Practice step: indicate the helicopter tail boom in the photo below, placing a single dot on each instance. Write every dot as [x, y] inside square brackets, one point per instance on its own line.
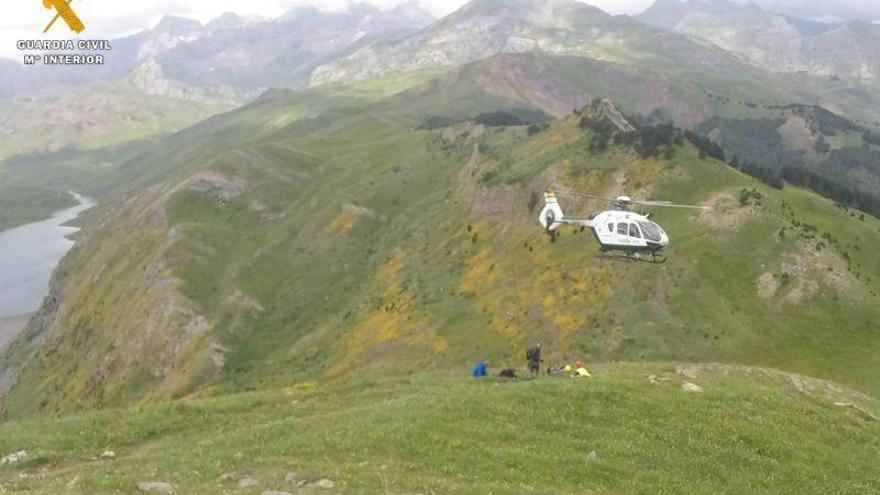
[552, 216]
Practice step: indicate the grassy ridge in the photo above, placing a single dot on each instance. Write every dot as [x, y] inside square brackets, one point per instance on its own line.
[319, 237]
[360, 246]
[750, 431]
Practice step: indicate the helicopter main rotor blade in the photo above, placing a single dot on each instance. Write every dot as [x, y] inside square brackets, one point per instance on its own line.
[588, 196]
[665, 204]
[668, 204]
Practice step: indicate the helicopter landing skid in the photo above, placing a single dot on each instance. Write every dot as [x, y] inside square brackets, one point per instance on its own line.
[634, 257]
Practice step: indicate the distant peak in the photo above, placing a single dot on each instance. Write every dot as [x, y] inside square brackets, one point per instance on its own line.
[528, 8]
[225, 17]
[409, 12]
[177, 25]
[227, 20]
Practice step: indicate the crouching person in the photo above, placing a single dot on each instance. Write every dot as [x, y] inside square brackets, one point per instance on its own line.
[480, 370]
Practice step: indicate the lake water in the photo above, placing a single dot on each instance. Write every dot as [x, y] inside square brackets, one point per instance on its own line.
[29, 254]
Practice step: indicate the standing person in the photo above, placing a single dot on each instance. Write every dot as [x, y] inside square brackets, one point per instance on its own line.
[534, 357]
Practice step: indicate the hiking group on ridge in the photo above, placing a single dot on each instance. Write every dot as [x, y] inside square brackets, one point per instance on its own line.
[534, 358]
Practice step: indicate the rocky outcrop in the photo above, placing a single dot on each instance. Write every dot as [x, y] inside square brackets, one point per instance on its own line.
[30, 341]
[80, 318]
[150, 78]
[603, 110]
[14, 458]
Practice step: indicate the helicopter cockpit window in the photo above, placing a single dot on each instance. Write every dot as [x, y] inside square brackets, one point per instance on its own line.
[651, 231]
[622, 228]
[611, 228]
[634, 231]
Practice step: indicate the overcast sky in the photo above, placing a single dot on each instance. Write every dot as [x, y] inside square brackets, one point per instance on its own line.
[25, 19]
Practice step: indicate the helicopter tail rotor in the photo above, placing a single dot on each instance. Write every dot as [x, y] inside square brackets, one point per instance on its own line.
[551, 216]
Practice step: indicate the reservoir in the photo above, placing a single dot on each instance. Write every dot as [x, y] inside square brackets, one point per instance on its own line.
[28, 255]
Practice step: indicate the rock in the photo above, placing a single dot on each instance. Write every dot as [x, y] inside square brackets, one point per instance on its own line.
[224, 188]
[864, 412]
[692, 388]
[290, 478]
[656, 380]
[686, 372]
[14, 458]
[108, 454]
[604, 110]
[802, 385]
[593, 456]
[325, 484]
[226, 477]
[248, 483]
[155, 487]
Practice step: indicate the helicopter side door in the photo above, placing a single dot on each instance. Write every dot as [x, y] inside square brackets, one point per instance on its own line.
[618, 230]
[606, 230]
[635, 235]
[624, 233]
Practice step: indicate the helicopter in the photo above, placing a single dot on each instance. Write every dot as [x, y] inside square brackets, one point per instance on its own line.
[617, 229]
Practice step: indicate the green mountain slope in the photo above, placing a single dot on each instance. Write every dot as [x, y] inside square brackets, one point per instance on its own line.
[277, 243]
[807, 144]
[51, 144]
[629, 429]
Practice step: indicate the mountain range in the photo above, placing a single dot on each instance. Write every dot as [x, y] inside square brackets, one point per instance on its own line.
[484, 28]
[263, 164]
[233, 56]
[313, 260]
[163, 79]
[774, 41]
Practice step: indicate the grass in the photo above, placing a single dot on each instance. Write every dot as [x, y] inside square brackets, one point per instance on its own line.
[19, 205]
[294, 285]
[750, 431]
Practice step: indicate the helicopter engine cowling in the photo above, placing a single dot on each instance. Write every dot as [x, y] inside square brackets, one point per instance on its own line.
[551, 215]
